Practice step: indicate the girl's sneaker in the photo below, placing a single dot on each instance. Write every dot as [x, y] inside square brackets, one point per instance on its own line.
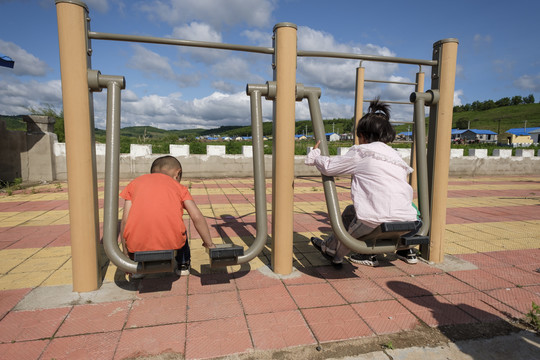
[364, 259]
[409, 256]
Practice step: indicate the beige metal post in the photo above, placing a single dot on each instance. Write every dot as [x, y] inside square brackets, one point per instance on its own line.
[443, 78]
[359, 99]
[283, 159]
[80, 152]
[412, 177]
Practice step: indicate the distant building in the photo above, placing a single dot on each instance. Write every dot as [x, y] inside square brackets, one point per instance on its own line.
[523, 135]
[300, 137]
[332, 137]
[473, 135]
[406, 135]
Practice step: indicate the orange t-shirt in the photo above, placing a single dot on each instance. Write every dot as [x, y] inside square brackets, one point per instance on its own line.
[155, 218]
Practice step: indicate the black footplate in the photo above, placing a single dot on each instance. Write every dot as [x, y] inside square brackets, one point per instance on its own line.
[158, 255]
[414, 240]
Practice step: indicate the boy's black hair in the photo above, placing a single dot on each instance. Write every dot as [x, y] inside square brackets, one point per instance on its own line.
[375, 125]
[165, 164]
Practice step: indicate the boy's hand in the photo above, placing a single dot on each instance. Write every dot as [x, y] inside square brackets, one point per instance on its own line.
[209, 246]
[317, 145]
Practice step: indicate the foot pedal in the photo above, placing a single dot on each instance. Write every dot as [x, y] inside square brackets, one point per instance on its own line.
[225, 254]
[414, 240]
[155, 261]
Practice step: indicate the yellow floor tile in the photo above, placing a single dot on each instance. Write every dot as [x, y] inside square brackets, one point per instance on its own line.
[40, 265]
[22, 280]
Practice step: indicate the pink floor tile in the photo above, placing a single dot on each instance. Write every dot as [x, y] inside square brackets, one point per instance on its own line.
[307, 276]
[254, 280]
[482, 260]
[516, 275]
[168, 285]
[360, 290]
[32, 324]
[279, 330]
[10, 298]
[402, 286]
[221, 337]
[419, 268]
[152, 340]
[83, 347]
[265, 300]
[442, 284]
[519, 299]
[345, 272]
[436, 311]
[209, 283]
[90, 318]
[26, 350]
[157, 311]
[386, 317]
[480, 306]
[481, 279]
[214, 306]
[386, 269]
[336, 323]
[315, 295]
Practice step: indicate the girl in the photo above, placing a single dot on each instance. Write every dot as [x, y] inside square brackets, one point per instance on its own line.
[379, 188]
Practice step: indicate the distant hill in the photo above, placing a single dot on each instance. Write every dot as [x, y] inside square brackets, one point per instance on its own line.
[498, 120]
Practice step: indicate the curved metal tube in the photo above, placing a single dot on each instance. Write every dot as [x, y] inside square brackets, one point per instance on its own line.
[330, 193]
[255, 92]
[420, 99]
[114, 84]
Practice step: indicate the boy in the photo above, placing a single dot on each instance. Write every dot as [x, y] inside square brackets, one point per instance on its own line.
[153, 210]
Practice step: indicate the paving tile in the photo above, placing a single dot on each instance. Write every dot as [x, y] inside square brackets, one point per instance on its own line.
[480, 306]
[402, 286]
[386, 317]
[483, 260]
[442, 284]
[360, 290]
[279, 330]
[214, 306]
[10, 298]
[419, 268]
[31, 325]
[308, 275]
[151, 341]
[345, 272]
[519, 299]
[163, 285]
[157, 311]
[254, 280]
[92, 318]
[26, 350]
[315, 295]
[207, 283]
[436, 311]
[516, 275]
[481, 279]
[265, 300]
[83, 347]
[220, 337]
[336, 323]
[385, 269]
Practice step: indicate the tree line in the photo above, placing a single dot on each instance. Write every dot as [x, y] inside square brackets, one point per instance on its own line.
[490, 104]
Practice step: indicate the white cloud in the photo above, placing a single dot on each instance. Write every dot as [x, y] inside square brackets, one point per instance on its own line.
[152, 64]
[200, 32]
[338, 76]
[258, 37]
[99, 5]
[528, 82]
[255, 13]
[25, 63]
[458, 94]
[223, 86]
[16, 97]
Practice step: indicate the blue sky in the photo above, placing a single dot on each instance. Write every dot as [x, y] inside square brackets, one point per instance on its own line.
[178, 88]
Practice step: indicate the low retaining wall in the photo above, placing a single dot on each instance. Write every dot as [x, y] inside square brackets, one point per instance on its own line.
[216, 164]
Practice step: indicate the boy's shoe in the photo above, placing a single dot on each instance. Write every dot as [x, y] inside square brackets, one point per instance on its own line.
[409, 256]
[364, 259]
[317, 243]
[182, 270]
